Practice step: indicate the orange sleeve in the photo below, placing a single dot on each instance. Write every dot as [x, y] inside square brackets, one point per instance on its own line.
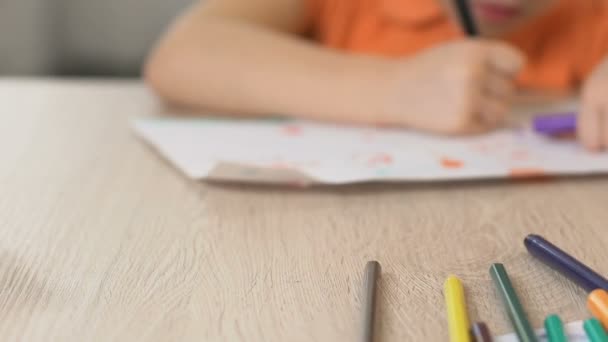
[336, 22]
[592, 38]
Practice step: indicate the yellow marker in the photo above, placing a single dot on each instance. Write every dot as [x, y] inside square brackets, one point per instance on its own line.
[458, 319]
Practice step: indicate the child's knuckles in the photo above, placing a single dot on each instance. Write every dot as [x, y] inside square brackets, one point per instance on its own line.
[475, 77]
[471, 52]
[503, 91]
[470, 117]
[506, 57]
[505, 49]
[494, 111]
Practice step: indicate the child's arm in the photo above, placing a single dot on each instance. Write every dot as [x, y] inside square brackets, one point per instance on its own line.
[593, 118]
[245, 57]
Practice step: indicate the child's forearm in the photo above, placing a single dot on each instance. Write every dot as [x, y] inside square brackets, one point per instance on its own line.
[237, 67]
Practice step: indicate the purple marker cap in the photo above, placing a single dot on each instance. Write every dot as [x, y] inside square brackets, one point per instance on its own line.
[557, 123]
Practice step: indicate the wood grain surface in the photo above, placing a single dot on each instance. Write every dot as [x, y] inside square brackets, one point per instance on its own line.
[101, 240]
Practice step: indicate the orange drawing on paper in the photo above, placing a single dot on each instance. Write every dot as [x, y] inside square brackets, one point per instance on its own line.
[292, 130]
[450, 163]
[381, 159]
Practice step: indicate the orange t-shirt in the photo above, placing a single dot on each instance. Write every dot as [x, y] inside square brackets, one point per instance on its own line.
[563, 45]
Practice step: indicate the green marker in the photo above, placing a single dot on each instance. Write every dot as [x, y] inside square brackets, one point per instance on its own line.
[555, 329]
[516, 312]
[595, 331]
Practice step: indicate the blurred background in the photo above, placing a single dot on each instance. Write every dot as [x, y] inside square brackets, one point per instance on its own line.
[81, 37]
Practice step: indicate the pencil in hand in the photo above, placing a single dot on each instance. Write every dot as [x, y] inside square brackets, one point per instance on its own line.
[466, 18]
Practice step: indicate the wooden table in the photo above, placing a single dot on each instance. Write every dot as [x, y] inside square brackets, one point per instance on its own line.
[100, 239]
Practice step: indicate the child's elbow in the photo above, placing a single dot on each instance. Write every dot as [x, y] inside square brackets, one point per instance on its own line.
[167, 70]
[157, 74]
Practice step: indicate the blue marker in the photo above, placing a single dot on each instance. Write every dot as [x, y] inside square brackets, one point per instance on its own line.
[565, 264]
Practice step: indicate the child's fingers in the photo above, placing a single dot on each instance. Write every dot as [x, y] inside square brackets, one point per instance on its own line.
[498, 86]
[492, 111]
[477, 125]
[505, 59]
[590, 126]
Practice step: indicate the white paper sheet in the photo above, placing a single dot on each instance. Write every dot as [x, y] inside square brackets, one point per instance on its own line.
[303, 152]
[575, 332]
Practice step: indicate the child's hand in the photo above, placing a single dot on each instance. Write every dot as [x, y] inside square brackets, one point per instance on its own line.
[457, 88]
[593, 117]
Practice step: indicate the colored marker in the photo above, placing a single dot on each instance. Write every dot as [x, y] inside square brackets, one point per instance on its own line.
[567, 265]
[598, 305]
[594, 331]
[466, 17]
[481, 333]
[370, 279]
[555, 123]
[555, 329]
[515, 310]
[458, 319]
